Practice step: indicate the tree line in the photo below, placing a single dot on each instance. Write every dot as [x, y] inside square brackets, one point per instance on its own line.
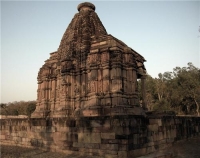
[18, 108]
[177, 91]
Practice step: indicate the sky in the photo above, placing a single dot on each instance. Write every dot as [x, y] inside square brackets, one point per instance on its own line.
[165, 33]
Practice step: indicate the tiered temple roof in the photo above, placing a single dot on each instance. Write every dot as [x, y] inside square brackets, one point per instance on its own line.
[91, 74]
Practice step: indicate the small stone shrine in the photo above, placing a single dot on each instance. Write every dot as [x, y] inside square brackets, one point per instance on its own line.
[91, 74]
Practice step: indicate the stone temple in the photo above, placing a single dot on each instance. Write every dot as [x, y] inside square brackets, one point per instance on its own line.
[88, 104]
[91, 74]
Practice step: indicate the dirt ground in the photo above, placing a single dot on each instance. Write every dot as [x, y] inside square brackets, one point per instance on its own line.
[182, 149]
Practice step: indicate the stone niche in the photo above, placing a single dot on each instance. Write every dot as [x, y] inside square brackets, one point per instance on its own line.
[91, 74]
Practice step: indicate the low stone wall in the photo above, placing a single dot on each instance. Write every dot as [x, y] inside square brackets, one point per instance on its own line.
[109, 137]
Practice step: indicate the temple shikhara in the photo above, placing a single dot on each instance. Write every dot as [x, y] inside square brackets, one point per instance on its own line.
[91, 74]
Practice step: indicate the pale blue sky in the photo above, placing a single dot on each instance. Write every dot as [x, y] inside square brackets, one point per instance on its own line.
[164, 32]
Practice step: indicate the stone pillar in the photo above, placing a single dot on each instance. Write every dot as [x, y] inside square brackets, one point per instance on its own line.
[143, 88]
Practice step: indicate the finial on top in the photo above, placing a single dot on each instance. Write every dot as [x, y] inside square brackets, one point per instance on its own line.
[86, 5]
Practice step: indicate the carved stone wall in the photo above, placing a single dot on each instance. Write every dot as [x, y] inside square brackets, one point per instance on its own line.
[91, 74]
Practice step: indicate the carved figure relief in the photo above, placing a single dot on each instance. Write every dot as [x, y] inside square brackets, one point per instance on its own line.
[63, 90]
[63, 82]
[106, 74]
[118, 57]
[114, 85]
[57, 94]
[63, 66]
[104, 57]
[83, 88]
[52, 94]
[98, 56]
[89, 88]
[89, 76]
[115, 56]
[88, 60]
[93, 89]
[100, 87]
[94, 58]
[105, 86]
[93, 75]
[76, 89]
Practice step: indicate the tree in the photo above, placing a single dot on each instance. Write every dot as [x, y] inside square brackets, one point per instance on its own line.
[150, 92]
[183, 88]
[18, 108]
[178, 90]
[31, 108]
[189, 82]
[3, 109]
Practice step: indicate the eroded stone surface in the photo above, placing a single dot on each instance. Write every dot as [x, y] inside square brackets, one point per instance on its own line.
[91, 74]
[101, 136]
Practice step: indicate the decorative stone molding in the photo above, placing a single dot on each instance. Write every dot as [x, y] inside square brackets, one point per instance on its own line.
[90, 67]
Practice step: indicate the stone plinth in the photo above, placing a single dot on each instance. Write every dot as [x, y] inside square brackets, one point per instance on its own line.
[103, 136]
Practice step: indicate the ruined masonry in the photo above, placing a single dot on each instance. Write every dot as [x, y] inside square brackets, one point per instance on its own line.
[91, 74]
[87, 102]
